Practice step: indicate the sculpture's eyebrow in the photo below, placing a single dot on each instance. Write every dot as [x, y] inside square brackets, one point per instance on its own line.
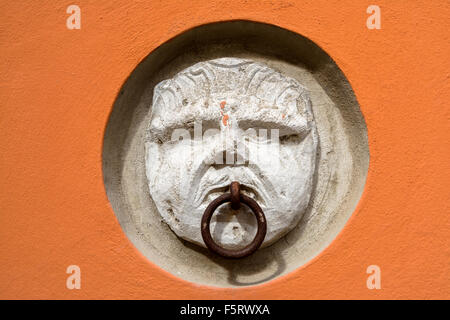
[163, 132]
[292, 127]
[164, 129]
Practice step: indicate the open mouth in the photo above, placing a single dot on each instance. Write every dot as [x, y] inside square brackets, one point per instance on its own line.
[249, 191]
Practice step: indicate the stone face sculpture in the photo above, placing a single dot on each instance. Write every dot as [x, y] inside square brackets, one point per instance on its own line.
[228, 120]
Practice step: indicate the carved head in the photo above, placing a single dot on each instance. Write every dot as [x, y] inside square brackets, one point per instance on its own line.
[230, 120]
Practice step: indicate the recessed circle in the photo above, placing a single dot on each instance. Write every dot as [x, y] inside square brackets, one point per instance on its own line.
[341, 161]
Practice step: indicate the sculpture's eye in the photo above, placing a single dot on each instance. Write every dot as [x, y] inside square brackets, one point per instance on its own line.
[204, 130]
[289, 139]
[258, 139]
[271, 136]
[192, 131]
[256, 135]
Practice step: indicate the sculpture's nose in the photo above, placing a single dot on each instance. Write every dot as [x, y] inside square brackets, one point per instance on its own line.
[231, 149]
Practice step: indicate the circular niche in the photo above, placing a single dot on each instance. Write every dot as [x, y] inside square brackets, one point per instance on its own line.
[341, 166]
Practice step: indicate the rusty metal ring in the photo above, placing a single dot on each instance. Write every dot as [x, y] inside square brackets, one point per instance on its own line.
[235, 190]
[257, 211]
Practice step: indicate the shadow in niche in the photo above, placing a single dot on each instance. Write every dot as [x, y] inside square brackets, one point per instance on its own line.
[259, 261]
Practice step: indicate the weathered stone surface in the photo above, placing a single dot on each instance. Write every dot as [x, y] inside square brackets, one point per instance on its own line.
[200, 139]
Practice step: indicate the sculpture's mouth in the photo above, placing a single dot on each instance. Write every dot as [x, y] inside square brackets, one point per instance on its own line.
[217, 191]
[211, 183]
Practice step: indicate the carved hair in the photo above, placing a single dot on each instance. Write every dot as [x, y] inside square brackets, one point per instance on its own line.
[228, 77]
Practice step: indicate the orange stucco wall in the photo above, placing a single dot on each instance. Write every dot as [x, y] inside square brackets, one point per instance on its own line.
[57, 90]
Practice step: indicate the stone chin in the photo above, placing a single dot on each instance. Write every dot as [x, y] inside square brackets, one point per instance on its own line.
[184, 178]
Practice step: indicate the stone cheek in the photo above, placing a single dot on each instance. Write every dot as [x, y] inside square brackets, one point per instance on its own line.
[230, 120]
